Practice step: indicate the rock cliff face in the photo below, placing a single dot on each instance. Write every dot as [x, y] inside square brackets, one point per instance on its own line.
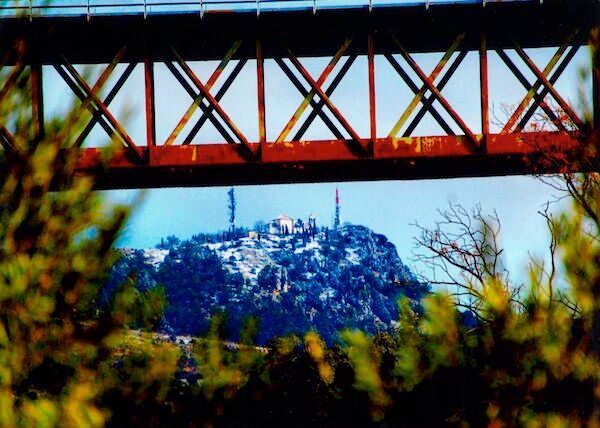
[291, 284]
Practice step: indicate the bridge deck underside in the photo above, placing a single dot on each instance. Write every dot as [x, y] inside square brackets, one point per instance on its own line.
[421, 30]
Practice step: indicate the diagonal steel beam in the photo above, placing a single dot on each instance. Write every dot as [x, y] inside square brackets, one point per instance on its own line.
[421, 93]
[83, 98]
[296, 82]
[194, 94]
[553, 78]
[209, 84]
[79, 92]
[539, 100]
[211, 100]
[542, 78]
[336, 113]
[440, 98]
[207, 114]
[536, 86]
[418, 96]
[109, 99]
[7, 141]
[428, 103]
[11, 80]
[91, 101]
[311, 94]
[91, 97]
[319, 107]
[101, 81]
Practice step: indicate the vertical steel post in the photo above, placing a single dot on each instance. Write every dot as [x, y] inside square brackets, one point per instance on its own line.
[260, 79]
[37, 102]
[150, 101]
[483, 77]
[372, 106]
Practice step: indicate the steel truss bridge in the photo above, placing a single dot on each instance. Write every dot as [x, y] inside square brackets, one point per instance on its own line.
[65, 33]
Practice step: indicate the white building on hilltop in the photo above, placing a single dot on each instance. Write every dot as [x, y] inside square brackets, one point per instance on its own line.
[282, 225]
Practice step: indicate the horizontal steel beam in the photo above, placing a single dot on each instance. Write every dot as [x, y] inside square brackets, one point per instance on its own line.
[83, 40]
[332, 160]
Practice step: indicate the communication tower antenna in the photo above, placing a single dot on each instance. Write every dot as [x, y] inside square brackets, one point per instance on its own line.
[336, 221]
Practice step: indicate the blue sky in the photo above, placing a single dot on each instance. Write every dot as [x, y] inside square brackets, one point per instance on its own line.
[387, 207]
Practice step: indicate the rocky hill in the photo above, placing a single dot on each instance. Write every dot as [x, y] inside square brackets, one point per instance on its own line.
[291, 284]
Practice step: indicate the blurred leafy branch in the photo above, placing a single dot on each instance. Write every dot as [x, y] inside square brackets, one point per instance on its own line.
[55, 251]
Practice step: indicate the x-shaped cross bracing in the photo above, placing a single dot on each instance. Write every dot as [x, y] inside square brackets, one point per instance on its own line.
[99, 108]
[419, 97]
[202, 93]
[328, 92]
[107, 101]
[207, 110]
[545, 79]
[429, 85]
[317, 107]
[316, 89]
[198, 96]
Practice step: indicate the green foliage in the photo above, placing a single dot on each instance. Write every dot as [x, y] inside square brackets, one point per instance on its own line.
[55, 252]
[220, 369]
[138, 309]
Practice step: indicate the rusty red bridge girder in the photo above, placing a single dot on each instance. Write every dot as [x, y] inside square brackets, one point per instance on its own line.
[342, 35]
